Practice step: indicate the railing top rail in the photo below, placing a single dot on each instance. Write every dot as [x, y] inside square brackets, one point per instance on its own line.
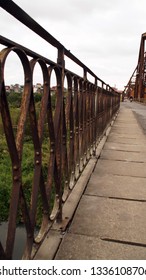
[50, 134]
[28, 21]
[9, 43]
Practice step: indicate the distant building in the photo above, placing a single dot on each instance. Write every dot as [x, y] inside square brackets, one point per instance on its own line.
[7, 89]
[54, 88]
[38, 88]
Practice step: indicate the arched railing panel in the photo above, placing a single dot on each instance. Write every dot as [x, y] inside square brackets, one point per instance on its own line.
[64, 124]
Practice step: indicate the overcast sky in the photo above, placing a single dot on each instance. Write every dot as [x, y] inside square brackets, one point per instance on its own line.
[104, 34]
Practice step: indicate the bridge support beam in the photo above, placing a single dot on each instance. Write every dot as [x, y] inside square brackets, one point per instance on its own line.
[140, 83]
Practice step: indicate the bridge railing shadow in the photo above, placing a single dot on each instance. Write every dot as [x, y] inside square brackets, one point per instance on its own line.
[63, 133]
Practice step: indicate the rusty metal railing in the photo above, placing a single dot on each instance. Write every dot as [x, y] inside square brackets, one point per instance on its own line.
[74, 126]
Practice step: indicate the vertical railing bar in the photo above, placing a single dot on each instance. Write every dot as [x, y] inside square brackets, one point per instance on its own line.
[93, 106]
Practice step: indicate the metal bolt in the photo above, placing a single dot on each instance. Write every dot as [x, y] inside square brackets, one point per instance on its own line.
[27, 80]
[16, 178]
[15, 167]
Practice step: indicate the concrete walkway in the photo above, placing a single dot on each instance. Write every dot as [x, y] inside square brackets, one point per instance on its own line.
[110, 221]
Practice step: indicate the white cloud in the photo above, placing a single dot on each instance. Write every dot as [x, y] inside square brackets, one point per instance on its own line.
[104, 35]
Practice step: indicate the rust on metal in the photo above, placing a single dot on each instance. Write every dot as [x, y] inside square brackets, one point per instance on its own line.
[136, 86]
[74, 127]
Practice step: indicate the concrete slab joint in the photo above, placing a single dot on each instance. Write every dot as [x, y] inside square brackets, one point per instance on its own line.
[46, 250]
[106, 208]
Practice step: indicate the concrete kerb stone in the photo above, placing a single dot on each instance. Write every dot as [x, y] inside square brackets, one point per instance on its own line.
[46, 250]
[105, 136]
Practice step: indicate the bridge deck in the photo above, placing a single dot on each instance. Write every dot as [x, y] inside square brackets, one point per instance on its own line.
[109, 222]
